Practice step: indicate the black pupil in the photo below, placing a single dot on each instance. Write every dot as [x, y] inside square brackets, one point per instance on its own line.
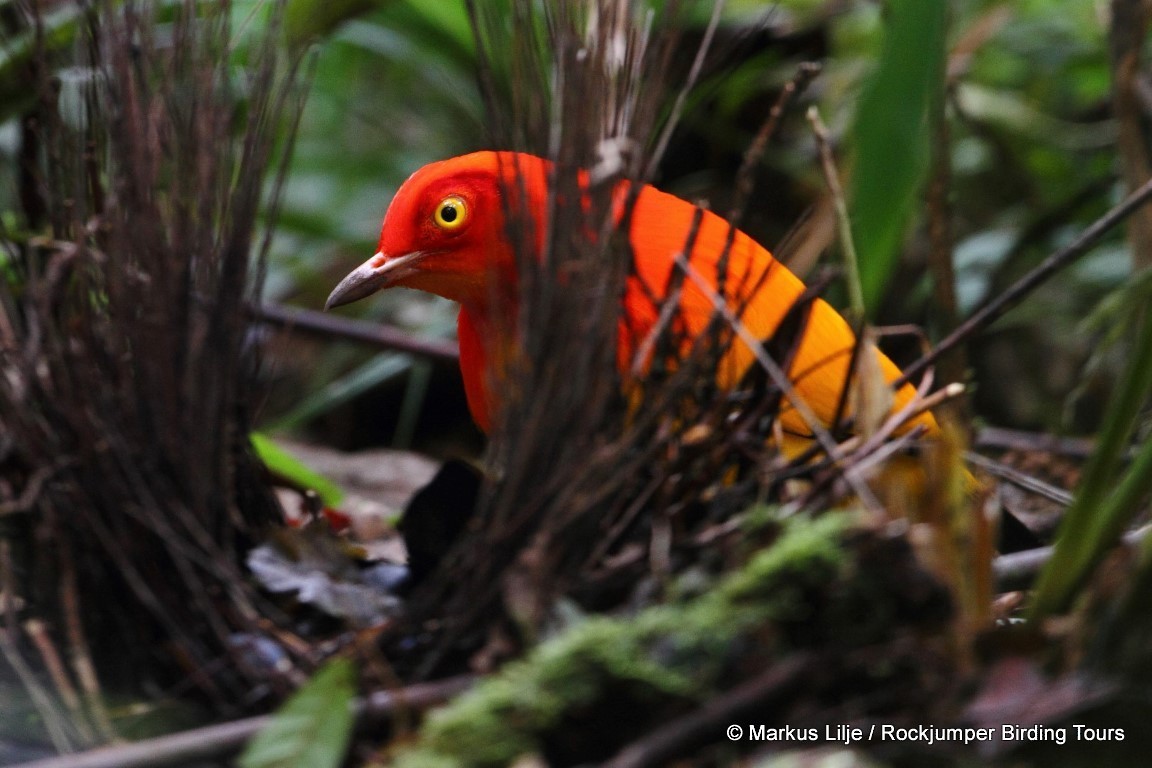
[448, 213]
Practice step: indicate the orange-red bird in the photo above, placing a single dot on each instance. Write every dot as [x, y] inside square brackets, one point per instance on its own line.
[445, 233]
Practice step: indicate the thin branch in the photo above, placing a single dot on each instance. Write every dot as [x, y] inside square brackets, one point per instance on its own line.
[376, 334]
[216, 741]
[706, 724]
[1018, 569]
[1127, 35]
[995, 309]
[941, 242]
[30, 494]
[805, 73]
[777, 374]
[843, 222]
[54, 665]
[1020, 440]
[885, 442]
[83, 667]
[682, 96]
[56, 722]
[1019, 479]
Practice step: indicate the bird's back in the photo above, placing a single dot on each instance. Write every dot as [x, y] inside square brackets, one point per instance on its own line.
[758, 289]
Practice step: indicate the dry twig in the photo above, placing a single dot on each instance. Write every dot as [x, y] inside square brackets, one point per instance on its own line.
[761, 694]
[219, 741]
[993, 310]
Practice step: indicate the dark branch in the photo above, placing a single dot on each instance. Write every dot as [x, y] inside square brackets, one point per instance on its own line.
[995, 309]
[377, 334]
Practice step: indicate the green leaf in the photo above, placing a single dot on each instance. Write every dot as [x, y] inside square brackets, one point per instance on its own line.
[1106, 501]
[307, 21]
[890, 137]
[283, 463]
[313, 727]
[372, 374]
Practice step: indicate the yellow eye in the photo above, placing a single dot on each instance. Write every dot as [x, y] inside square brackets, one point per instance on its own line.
[451, 213]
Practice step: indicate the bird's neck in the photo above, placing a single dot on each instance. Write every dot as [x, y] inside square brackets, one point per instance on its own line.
[487, 339]
[493, 316]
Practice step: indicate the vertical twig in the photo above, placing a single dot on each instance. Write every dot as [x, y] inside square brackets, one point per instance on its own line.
[682, 97]
[37, 632]
[843, 222]
[940, 264]
[1127, 34]
[805, 73]
[55, 721]
[78, 650]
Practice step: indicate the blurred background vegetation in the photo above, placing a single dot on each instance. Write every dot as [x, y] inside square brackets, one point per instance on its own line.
[1031, 159]
[1031, 153]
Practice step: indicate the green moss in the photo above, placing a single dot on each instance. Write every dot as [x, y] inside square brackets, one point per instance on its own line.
[665, 653]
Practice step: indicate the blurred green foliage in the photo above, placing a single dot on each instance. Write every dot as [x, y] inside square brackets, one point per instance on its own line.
[288, 467]
[891, 136]
[391, 91]
[313, 728]
[1032, 155]
[1109, 497]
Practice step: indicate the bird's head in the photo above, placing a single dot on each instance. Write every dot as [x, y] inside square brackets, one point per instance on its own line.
[445, 230]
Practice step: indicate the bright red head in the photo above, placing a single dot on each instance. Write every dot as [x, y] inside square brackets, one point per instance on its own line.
[445, 230]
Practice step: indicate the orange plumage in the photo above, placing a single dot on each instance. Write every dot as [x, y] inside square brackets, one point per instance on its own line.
[445, 233]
